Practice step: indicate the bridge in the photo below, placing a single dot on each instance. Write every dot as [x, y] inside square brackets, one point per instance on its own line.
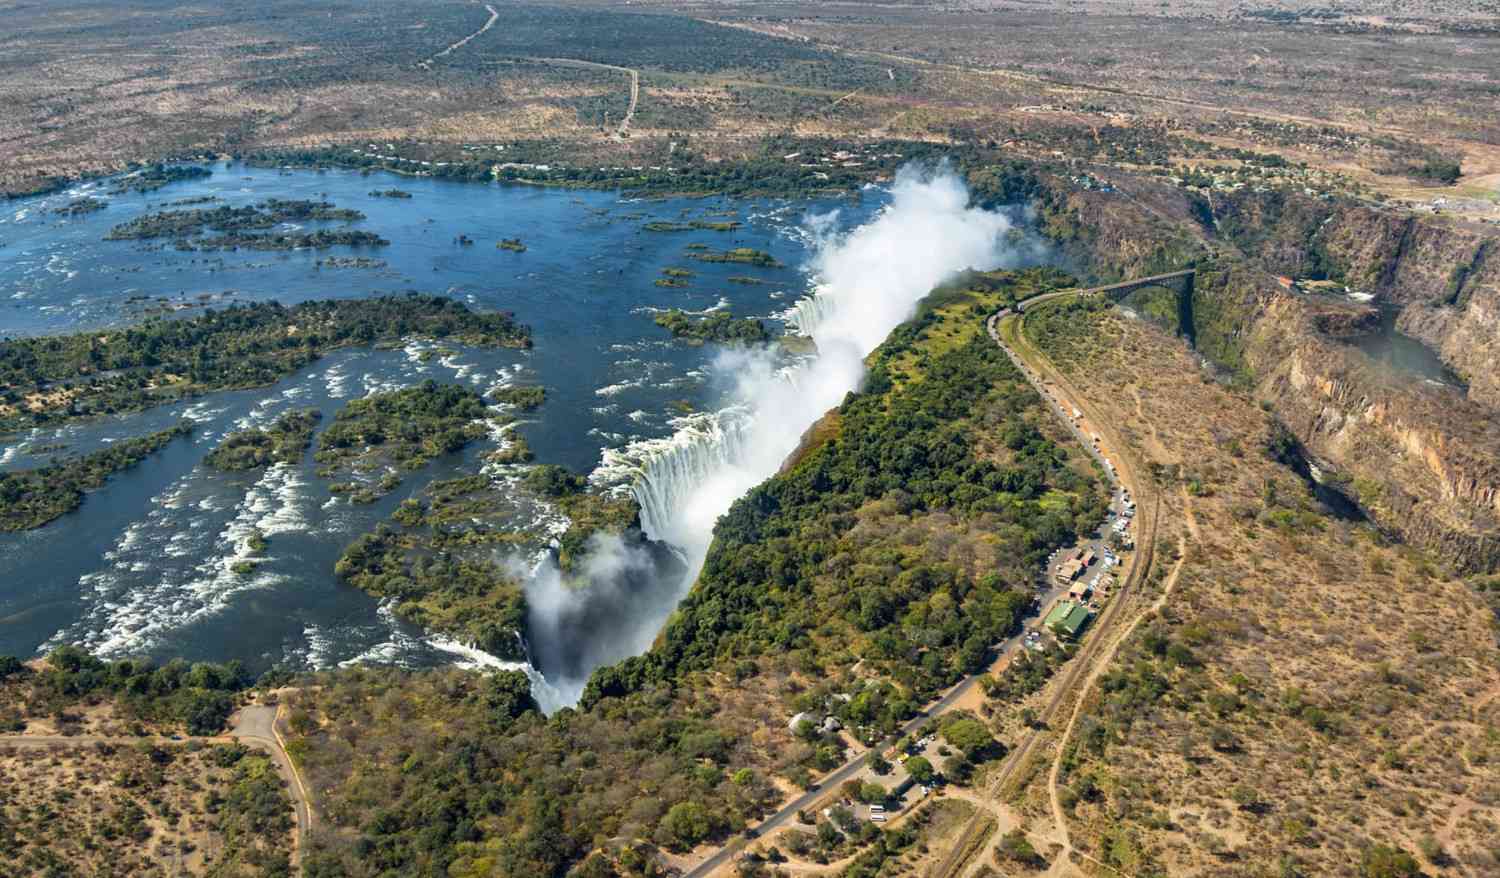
[1179, 281]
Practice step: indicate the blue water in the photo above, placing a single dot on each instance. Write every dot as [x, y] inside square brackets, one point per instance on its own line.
[142, 567]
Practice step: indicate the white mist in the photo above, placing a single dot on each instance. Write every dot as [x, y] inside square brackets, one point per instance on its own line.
[869, 280]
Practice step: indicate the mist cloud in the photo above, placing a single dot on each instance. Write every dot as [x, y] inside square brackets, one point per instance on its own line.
[869, 280]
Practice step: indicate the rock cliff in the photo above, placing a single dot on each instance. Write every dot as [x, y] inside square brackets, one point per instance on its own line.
[1442, 275]
[1422, 460]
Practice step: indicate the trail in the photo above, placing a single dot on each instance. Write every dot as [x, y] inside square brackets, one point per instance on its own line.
[623, 129]
[255, 725]
[1105, 658]
[494, 15]
[828, 785]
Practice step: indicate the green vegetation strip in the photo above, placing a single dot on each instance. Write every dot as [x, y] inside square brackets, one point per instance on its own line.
[266, 215]
[197, 697]
[60, 378]
[718, 326]
[31, 498]
[404, 429]
[742, 255]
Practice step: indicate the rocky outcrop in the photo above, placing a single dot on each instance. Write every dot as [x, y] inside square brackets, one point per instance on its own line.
[1442, 275]
[1139, 228]
[1344, 321]
[1421, 460]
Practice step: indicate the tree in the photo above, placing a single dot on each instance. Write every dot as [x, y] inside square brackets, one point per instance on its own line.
[686, 824]
[878, 763]
[872, 793]
[828, 834]
[958, 769]
[919, 769]
[968, 735]
[1017, 848]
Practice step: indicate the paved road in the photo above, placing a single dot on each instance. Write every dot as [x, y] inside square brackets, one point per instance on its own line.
[256, 724]
[829, 784]
[1020, 758]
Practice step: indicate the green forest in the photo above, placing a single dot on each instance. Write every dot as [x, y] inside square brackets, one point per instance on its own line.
[943, 430]
[400, 429]
[811, 574]
[56, 378]
[32, 497]
[437, 558]
[718, 326]
[195, 697]
[265, 215]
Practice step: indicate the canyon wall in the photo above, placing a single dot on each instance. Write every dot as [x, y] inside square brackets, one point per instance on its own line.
[1443, 275]
[1422, 460]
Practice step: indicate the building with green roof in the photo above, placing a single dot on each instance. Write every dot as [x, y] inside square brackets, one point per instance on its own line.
[1068, 619]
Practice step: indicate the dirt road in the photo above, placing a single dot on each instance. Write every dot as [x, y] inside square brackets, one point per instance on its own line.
[623, 129]
[494, 14]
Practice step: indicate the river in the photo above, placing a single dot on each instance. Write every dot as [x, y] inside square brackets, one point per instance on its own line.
[142, 567]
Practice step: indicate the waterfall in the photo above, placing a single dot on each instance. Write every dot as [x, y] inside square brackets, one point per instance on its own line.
[809, 313]
[874, 276]
[663, 474]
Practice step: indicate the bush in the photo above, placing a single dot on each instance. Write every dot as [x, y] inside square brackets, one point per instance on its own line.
[1385, 861]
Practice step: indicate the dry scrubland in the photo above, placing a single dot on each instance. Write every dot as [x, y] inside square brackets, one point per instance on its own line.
[145, 809]
[1309, 694]
[1367, 98]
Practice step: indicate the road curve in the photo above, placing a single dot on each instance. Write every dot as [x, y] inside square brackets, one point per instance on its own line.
[494, 15]
[623, 128]
[1021, 755]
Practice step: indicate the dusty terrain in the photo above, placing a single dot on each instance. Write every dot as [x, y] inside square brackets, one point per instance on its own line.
[143, 809]
[1361, 103]
[1308, 691]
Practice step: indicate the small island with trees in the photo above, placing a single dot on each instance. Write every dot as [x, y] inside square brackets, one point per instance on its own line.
[694, 225]
[245, 227]
[282, 442]
[34, 497]
[525, 398]
[742, 255]
[395, 431]
[60, 378]
[156, 176]
[716, 326]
